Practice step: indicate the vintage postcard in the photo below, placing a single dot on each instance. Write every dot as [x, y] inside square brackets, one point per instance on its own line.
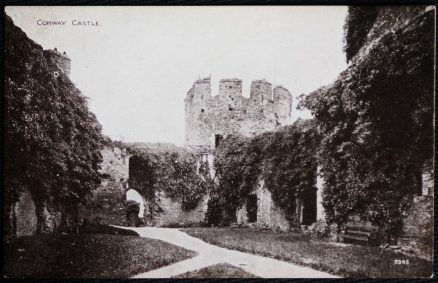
[219, 142]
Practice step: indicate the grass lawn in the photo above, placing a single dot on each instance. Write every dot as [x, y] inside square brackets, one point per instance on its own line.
[87, 255]
[222, 270]
[339, 259]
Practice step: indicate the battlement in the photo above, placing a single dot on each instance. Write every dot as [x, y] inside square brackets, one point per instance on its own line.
[60, 60]
[261, 90]
[208, 118]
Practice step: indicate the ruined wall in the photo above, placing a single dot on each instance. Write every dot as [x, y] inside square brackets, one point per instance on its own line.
[165, 212]
[60, 60]
[106, 204]
[417, 232]
[25, 214]
[230, 112]
[269, 215]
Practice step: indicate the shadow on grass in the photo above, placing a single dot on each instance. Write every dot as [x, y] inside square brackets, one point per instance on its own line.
[222, 270]
[340, 259]
[89, 254]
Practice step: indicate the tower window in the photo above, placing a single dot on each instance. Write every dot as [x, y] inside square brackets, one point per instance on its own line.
[218, 139]
[230, 109]
[202, 110]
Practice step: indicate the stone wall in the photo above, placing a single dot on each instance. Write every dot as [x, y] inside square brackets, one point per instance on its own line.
[229, 112]
[106, 204]
[417, 232]
[58, 59]
[269, 215]
[165, 212]
[25, 215]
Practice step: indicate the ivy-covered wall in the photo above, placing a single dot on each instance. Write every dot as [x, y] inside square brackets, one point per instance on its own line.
[376, 118]
[286, 162]
[52, 141]
[167, 176]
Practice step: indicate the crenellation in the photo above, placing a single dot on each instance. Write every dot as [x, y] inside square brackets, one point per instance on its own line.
[261, 91]
[208, 117]
[60, 60]
[230, 89]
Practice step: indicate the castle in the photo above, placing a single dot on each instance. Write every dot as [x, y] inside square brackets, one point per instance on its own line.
[209, 119]
[58, 59]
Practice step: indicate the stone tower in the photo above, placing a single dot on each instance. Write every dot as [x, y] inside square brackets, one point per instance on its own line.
[60, 60]
[209, 119]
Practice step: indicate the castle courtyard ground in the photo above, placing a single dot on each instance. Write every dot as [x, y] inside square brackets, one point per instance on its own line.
[345, 260]
[103, 251]
[211, 255]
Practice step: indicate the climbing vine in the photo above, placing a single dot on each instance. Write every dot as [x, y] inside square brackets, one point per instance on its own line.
[170, 170]
[285, 159]
[376, 122]
[52, 140]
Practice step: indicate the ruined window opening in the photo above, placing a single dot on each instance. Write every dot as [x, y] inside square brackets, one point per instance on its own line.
[202, 110]
[218, 139]
[251, 208]
[244, 111]
[230, 109]
[261, 110]
[230, 87]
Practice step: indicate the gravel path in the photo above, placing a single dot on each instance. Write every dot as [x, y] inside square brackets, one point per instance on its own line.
[209, 255]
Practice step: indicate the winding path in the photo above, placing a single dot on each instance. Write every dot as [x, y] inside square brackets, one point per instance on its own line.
[209, 255]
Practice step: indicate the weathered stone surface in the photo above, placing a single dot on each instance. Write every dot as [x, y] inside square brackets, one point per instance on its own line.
[106, 204]
[167, 212]
[269, 215]
[229, 112]
[25, 214]
[58, 59]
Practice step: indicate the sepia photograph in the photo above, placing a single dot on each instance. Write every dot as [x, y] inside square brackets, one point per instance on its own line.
[219, 141]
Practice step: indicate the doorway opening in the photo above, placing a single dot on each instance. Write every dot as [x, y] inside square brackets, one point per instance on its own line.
[309, 207]
[218, 139]
[251, 208]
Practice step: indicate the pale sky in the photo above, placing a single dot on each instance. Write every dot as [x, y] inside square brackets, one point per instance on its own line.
[138, 64]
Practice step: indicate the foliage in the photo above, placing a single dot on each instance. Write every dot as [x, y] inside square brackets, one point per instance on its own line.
[285, 159]
[376, 122]
[52, 144]
[168, 169]
[358, 22]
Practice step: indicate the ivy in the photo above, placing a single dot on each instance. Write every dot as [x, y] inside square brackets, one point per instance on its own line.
[285, 159]
[168, 169]
[376, 121]
[52, 141]
[358, 23]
